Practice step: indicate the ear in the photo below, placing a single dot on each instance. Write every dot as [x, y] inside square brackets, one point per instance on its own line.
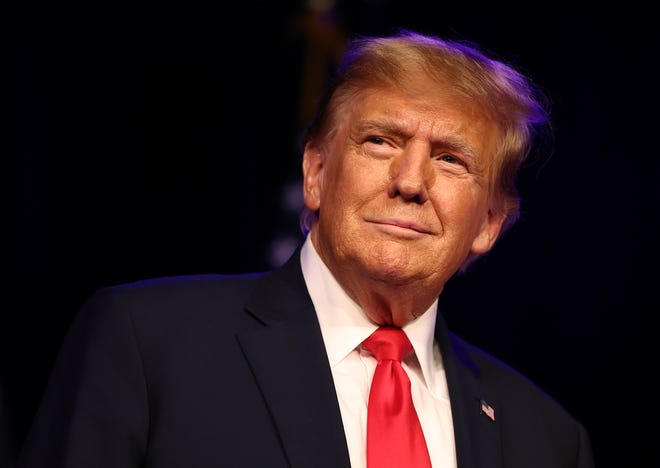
[488, 234]
[312, 176]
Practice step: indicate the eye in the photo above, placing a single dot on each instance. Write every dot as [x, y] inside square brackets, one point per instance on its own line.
[376, 140]
[451, 164]
[448, 158]
[379, 147]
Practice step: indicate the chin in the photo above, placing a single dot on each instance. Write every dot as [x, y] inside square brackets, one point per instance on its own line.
[392, 275]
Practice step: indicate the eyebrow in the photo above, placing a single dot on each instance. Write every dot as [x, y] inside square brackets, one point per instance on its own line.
[386, 124]
[451, 142]
[458, 145]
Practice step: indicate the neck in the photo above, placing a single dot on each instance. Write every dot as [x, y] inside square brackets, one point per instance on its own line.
[393, 305]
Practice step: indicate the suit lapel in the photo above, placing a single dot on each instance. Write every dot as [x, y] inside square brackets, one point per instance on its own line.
[289, 362]
[477, 436]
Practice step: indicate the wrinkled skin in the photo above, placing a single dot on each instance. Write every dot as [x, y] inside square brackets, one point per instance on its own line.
[402, 193]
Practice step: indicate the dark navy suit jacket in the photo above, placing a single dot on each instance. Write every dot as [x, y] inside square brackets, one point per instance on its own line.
[231, 371]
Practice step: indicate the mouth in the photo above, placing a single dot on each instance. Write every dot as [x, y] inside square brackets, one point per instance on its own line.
[401, 227]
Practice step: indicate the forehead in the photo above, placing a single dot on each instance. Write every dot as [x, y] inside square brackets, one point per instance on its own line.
[425, 111]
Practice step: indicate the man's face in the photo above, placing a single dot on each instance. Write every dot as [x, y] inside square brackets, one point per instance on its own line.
[402, 188]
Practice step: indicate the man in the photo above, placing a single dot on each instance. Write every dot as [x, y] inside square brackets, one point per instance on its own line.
[409, 171]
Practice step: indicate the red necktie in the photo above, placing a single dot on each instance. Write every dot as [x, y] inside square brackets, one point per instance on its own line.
[394, 435]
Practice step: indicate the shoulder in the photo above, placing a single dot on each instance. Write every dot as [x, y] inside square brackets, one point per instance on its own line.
[169, 302]
[161, 318]
[173, 291]
[181, 285]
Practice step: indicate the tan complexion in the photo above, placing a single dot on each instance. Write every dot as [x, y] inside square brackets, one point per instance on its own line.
[402, 189]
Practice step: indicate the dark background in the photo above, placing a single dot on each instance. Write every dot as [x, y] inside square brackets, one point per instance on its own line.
[148, 139]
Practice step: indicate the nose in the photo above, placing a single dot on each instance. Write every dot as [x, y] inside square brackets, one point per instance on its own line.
[411, 174]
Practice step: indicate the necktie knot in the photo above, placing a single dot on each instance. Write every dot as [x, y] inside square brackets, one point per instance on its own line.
[388, 343]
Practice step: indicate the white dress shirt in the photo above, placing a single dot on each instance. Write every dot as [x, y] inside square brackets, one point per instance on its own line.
[344, 326]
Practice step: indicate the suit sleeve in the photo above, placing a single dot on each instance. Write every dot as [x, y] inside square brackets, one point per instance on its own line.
[94, 410]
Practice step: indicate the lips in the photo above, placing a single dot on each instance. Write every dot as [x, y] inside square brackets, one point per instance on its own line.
[401, 225]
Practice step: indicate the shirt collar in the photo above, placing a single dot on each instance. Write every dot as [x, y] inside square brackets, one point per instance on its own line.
[344, 325]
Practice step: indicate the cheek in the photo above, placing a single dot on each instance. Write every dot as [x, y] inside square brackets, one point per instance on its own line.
[457, 205]
[367, 175]
[356, 181]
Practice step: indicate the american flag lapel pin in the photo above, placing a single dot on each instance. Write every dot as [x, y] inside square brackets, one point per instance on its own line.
[487, 410]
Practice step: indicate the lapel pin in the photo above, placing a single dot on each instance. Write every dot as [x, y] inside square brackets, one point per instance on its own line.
[487, 410]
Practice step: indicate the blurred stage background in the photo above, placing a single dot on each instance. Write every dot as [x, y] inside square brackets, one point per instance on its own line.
[152, 139]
